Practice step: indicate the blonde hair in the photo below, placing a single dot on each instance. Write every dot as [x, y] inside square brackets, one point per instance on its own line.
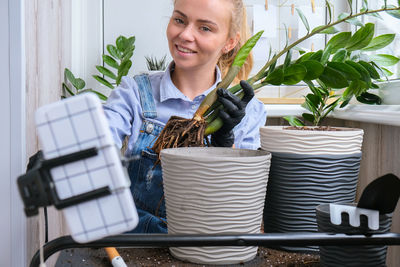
[238, 24]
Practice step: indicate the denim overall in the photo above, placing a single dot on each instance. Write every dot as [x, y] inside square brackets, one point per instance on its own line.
[146, 178]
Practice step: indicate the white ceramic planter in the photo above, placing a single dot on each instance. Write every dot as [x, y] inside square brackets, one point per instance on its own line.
[279, 139]
[214, 191]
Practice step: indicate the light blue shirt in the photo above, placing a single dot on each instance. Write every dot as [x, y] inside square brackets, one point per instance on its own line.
[124, 112]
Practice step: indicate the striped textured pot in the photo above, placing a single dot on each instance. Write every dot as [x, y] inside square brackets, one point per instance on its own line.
[214, 191]
[308, 168]
[351, 255]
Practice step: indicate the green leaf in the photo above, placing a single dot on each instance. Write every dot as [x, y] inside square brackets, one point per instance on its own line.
[361, 38]
[100, 95]
[130, 42]
[123, 70]
[65, 86]
[314, 69]
[110, 61]
[293, 121]
[339, 41]
[393, 13]
[303, 19]
[288, 58]
[315, 100]
[340, 55]
[368, 98]
[350, 91]
[305, 57]
[328, 5]
[316, 56]
[113, 51]
[70, 76]
[326, 54]
[103, 81]
[316, 91]
[387, 72]
[372, 71]
[376, 15]
[374, 85]
[271, 67]
[365, 76]
[353, 21]
[384, 59]
[350, 4]
[365, 4]
[345, 103]
[106, 72]
[330, 30]
[333, 78]
[127, 55]
[79, 84]
[244, 51]
[121, 43]
[294, 74]
[349, 72]
[308, 117]
[275, 77]
[379, 42]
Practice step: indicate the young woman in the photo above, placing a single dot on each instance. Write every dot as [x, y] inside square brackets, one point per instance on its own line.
[203, 37]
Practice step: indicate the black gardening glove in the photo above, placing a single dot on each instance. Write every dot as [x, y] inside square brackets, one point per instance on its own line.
[233, 113]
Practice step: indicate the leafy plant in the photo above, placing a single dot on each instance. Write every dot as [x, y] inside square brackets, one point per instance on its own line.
[337, 73]
[181, 132]
[119, 58]
[154, 64]
[334, 74]
[74, 86]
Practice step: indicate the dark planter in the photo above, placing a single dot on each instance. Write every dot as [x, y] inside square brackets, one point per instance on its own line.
[351, 255]
[299, 183]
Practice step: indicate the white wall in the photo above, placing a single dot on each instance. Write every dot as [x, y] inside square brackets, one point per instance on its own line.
[12, 153]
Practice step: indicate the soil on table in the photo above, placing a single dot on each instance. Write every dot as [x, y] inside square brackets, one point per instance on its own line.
[161, 257]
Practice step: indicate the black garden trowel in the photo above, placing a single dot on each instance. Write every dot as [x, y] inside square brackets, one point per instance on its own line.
[381, 194]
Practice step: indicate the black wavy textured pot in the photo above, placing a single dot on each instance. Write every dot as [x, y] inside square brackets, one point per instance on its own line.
[351, 255]
[298, 183]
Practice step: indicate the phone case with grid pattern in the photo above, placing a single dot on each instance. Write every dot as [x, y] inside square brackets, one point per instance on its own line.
[71, 125]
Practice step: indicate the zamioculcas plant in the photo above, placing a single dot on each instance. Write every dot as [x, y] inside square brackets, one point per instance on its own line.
[180, 132]
[342, 65]
[119, 58]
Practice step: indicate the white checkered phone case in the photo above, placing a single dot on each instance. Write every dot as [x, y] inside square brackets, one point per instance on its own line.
[72, 125]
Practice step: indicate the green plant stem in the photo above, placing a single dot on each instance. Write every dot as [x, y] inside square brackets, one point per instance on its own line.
[260, 74]
[214, 122]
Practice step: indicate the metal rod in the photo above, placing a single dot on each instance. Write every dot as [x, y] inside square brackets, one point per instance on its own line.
[266, 240]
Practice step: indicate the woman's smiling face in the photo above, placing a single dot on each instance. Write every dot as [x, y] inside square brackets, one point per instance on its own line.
[198, 32]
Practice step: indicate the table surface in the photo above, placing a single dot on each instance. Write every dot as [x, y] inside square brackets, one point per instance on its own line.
[161, 257]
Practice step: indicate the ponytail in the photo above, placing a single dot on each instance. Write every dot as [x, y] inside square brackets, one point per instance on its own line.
[238, 24]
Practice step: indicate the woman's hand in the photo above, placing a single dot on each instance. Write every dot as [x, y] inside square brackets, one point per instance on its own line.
[232, 115]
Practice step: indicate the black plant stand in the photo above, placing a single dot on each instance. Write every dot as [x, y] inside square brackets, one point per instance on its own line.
[266, 240]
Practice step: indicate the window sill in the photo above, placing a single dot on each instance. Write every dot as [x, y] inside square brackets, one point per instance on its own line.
[382, 114]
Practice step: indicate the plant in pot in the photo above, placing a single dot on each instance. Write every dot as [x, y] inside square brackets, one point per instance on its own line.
[312, 165]
[308, 167]
[154, 64]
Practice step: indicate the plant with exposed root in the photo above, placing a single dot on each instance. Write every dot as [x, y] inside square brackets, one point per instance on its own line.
[326, 72]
